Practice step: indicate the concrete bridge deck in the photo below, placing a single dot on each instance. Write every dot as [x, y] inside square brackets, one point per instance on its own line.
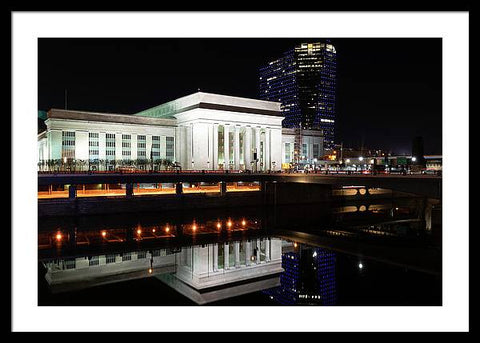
[425, 185]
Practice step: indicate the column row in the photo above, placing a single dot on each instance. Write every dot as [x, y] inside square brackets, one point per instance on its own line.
[252, 255]
[241, 147]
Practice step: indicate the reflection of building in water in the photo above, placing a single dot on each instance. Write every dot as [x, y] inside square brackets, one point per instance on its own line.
[213, 272]
[88, 271]
[309, 278]
[232, 268]
[216, 264]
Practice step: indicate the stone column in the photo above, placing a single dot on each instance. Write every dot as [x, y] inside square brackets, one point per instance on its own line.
[236, 148]
[226, 147]
[267, 249]
[215, 257]
[248, 253]
[118, 146]
[102, 145]
[215, 147]
[267, 143]
[247, 150]
[148, 149]
[257, 147]
[236, 249]
[225, 256]
[133, 146]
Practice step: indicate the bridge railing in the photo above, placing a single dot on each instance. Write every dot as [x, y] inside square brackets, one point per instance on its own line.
[214, 172]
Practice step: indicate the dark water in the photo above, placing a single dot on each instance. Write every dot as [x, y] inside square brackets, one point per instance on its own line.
[324, 255]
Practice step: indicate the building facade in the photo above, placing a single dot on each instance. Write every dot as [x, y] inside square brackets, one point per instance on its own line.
[303, 81]
[201, 131]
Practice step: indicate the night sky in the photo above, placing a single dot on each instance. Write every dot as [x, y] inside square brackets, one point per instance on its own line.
[388, 90]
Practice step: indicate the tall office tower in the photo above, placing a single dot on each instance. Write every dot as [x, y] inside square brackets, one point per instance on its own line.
[303, 80]
[309, 278]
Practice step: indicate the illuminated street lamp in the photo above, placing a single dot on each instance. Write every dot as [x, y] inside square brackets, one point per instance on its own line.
[414, 159]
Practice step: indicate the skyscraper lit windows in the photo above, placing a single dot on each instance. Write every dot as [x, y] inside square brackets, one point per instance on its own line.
[303, 80]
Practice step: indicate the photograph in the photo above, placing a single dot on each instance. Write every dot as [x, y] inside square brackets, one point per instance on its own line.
[240, 171]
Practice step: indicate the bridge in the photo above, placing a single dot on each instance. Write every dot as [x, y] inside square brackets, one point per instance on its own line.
[424, 185]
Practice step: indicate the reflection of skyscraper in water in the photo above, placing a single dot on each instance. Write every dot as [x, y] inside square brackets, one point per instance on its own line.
[309, 278]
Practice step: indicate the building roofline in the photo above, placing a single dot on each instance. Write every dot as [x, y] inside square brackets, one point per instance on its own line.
[107, 117]
[215, 102]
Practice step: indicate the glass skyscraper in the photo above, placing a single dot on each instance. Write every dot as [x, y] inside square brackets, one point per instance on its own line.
[303, 80]
[309, 278]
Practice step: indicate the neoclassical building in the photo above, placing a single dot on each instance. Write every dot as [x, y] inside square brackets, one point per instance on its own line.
[201, 131]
